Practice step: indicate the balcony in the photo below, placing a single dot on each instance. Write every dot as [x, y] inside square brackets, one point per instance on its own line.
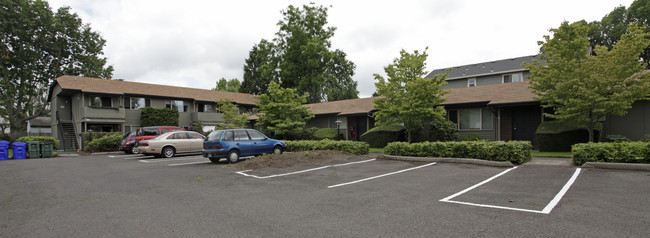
[103, 113]
[207, 117]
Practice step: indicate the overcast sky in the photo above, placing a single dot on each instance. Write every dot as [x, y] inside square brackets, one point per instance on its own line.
[194, 43]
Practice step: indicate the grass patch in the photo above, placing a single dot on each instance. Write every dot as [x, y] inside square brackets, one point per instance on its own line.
[376, 150]
[551, 154]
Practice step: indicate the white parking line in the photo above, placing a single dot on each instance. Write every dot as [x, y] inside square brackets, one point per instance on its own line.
[165, 160]
[379, 176]
[200, 162]
[302, 171]
[121, 156]
[546, 210]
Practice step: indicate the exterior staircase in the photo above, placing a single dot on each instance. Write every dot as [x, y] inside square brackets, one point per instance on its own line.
[70, 142]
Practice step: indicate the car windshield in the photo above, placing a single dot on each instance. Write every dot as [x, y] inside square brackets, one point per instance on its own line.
[214, 136]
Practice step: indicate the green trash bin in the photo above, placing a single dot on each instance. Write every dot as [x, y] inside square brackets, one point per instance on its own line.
[46, 149]
[34, 149]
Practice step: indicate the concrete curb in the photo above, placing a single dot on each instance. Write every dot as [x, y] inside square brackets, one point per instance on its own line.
[618, 166]
[448, 160]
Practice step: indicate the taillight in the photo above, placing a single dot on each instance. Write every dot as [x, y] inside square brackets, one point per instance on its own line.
[209, 147]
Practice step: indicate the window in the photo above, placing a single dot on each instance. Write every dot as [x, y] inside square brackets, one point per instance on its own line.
[511, 78]
[97, 101]
[228, 136]
[241, 135]
[136, 103]
[469, 119]
[255, 135]
[472, 119]
[181, 106]
[205, 107]
[471, 82]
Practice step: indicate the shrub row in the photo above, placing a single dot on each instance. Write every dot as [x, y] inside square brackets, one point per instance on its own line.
[107, 143]
[517, 152]
[380, 136]
[623, 152]
[354, 147]
[39, 138]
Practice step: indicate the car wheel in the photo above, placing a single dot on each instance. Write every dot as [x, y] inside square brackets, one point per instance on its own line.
[168, 152]
[214, 159]
[128, 151]
[233, 156]
[134, 150]
[277, 150]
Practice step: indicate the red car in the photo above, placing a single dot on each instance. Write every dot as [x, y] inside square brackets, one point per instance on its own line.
[145, 133]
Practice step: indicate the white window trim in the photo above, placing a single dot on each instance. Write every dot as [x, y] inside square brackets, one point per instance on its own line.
[470, 80]
[503, 77]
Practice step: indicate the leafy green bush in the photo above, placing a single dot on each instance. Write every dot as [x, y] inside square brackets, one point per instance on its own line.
[106, 143]
[354, 147]
[90, 136]
[471, 137]
[626, 152]
[517, 152]
[150, 116]
[646, 138]
[326, 133]
[380, 136]
[39, 138]
[556, 136]
[443, 131]
[617, 138]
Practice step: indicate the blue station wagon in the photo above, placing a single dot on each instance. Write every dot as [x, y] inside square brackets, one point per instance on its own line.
[233, 143]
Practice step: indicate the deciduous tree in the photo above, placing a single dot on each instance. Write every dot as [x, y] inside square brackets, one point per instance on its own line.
[231, 85]
[408, 97]
[37, 46]
[282, 112]
[300, 57]
[231, 117]
[585, 88]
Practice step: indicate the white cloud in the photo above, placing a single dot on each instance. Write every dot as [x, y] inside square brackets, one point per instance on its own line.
[194, 43]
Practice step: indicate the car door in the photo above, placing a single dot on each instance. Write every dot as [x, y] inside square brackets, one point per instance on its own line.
[260, 142]
[246, 146]
[181, 142]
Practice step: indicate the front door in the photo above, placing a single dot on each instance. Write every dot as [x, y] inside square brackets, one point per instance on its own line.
[64, 109]
[524, 123]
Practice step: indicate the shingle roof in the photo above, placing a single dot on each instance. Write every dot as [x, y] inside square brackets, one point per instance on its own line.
[487, 68]
[97, 85]
[492, 94]
[343, 107]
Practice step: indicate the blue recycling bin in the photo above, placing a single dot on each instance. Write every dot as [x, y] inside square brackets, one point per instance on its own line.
[4, 150]
[20, 150]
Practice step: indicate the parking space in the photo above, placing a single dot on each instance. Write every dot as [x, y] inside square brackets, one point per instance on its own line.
[189, 196]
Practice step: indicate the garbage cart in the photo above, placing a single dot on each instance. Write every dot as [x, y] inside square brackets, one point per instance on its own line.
[46, 149]
[19, 150]
[34, 149]
[4, 150]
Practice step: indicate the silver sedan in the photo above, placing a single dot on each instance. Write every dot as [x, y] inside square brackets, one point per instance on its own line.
[171, 143]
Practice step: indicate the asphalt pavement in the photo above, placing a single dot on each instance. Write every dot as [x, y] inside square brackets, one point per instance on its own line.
[136, 196]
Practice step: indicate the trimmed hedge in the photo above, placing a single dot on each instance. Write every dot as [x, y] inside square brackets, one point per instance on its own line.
[557, 137]
[150, 116]
[325, 133]
[39, 138]
[106, 143]
[517, 152]
[354, 147]
[623, 152]
[380, 136]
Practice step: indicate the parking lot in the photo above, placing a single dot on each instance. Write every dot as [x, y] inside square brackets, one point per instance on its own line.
[187, 196]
